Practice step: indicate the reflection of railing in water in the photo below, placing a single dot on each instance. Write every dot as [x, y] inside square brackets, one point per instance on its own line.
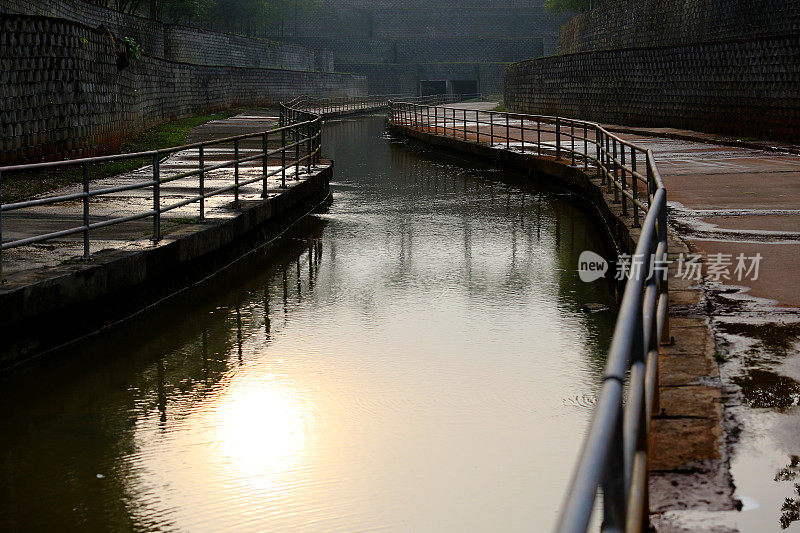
[288, 291]
[614, 457]
[276, 304]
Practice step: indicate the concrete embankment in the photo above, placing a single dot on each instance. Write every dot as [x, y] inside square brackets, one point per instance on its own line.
[688, 462]
[46, 307]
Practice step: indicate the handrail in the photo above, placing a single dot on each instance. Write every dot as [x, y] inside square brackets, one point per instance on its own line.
[299, 145]
[325, 106]
[614, 454]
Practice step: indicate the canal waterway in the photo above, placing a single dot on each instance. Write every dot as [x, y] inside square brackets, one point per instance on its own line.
[415, 358]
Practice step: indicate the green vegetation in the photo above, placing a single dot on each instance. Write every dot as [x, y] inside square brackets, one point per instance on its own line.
[569, 6]
[25, 185]
[501, 106]
[719, 358]
[132, 49]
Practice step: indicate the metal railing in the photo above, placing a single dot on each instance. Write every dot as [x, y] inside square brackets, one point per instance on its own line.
[614, 454]
[285, 151]
[326, 106]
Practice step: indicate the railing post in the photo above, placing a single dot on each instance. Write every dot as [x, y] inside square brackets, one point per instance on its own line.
[635, 189]
[86, 211]
[477, 126]
[624, 179]
[308, 145]
[236, 172]
[283, 158]
[436, 120]
[465, 124]
[585, 147]
[572, 142]
[156, 198]
[508, 134]
[558, 138]
[491, 128]
[522, 134]
[296, 136]
[202, 177]
[428, 118]
[264, 164]
[539, 135]
[601, 167]
[318, 148]
[613, 484]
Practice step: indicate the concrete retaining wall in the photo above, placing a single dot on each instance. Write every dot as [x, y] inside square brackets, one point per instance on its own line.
[62, 94]
[397, 44]
[638, 23]
[748, 88]
[192, 45]
[401, 78]
[72, 300]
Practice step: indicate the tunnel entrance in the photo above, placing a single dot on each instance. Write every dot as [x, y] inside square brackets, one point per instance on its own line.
[465, 86]
[431, 87]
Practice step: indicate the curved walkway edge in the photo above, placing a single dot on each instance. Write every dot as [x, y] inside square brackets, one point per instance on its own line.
[688, 463]
[58, 304]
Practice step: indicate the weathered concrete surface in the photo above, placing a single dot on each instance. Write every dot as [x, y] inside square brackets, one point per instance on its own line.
[52, 295]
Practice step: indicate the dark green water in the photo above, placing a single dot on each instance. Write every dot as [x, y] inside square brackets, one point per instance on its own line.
[414, 359]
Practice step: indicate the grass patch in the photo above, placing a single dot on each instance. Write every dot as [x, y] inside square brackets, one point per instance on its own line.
[181, 220]
[25, 185]
[500, 106]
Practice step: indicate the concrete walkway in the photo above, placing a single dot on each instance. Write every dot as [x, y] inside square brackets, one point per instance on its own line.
[138, 234]
[723, 199]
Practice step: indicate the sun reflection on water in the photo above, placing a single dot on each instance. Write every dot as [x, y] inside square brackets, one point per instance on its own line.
[263, 429]
[226, 457]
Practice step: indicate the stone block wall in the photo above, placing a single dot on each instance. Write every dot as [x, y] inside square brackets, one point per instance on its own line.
[746, 87]
[62, 94]
[179, 43]
[196, 46]
[147, 33]
[643, 23]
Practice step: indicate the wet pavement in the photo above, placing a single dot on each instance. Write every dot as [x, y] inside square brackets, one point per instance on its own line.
[732, 200]
[138, 234]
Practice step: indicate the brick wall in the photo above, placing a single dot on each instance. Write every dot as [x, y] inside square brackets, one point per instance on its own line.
[62, 94]
[747, 87]
[636, 23]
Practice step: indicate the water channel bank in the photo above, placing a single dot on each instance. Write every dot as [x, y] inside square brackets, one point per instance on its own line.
[417, 357]
[58, 296]
[689, 460]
